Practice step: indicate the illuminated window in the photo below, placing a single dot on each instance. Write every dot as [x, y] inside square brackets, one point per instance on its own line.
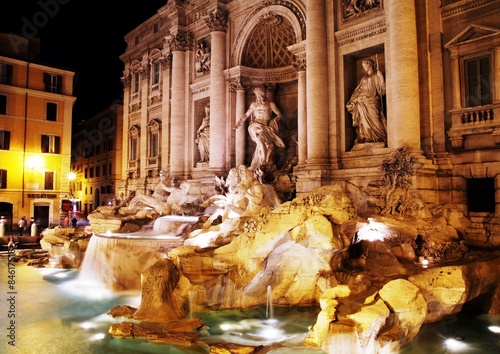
[51, 144]
[53, 83]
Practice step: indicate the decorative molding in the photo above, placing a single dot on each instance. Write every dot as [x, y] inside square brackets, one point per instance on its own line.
[463, 6]
[368, 30]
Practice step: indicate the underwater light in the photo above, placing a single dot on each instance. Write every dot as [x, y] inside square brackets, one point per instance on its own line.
[86, 325]
[455, 344]
[494, 329]
[97, 336]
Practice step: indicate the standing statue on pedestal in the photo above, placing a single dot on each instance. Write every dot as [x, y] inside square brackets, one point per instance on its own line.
[262, 129]
[203, 136]
[366, 107]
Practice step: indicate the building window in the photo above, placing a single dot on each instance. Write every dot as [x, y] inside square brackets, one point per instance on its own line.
[51, 144]
[49, 180]
[156, 27]
[98, 171]
[5, 74]
[51, 113]
[134, 145]
[481, 195]
[53, 83]
[156, 73]
[3, 104]
[91, 174]
[4, 140]
[477, 81]
[153, 144]
[136, 82]
[3, 179]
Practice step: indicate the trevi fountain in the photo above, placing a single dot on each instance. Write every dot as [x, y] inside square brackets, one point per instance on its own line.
[367, 282]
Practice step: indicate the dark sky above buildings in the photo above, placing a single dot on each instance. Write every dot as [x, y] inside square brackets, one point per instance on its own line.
[85, 36]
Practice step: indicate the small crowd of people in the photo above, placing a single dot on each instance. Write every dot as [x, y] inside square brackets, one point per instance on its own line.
[23, 226]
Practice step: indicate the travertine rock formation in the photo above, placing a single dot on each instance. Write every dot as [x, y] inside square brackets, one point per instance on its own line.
[367, 274]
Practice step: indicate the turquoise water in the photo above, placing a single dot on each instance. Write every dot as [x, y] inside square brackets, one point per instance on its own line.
[56, 314]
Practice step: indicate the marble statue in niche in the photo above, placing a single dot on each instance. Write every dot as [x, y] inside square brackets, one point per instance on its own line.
[263, 129]
[365, 105]
[203, 136]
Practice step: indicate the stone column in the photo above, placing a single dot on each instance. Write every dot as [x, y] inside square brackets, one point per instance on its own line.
[300, 65]
[143, 137]
[179, 43]
[166, 63]
[240, 134]
[403, 121]
[125, 79]
[217, 22]
[317, 83]
[496, 75]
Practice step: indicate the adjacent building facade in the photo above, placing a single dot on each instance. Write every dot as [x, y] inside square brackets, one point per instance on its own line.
[36, 103]
[440, 61]
[96, 159]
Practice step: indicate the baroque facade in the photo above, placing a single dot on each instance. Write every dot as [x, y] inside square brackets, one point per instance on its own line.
[441, 97]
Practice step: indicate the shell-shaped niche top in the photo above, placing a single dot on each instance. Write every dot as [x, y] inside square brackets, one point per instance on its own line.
[266, 46]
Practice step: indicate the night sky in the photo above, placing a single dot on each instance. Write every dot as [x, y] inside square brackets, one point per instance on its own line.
[85, 36]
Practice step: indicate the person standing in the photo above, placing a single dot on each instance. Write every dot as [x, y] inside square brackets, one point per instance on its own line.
[22, 225]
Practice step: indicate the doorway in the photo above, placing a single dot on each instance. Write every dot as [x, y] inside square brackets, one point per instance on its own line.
[41, 215]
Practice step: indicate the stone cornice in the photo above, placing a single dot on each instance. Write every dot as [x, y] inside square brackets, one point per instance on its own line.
[274, 75]
[352, 35]
[463, 6]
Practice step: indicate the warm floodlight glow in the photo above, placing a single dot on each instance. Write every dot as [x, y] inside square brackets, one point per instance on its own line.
[455, 345]
[34, 162]
[425, 263]
[71, 176]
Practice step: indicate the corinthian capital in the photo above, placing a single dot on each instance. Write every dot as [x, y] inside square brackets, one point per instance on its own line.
[181, 41]
[217, 20]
